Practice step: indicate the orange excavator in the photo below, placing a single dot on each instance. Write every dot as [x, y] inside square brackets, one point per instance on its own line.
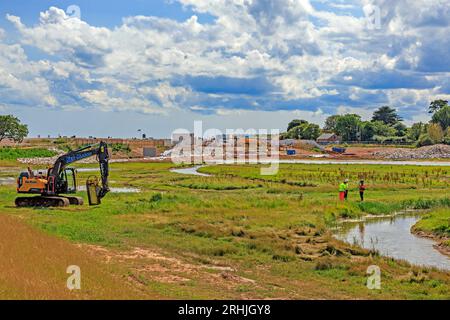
[55, 186]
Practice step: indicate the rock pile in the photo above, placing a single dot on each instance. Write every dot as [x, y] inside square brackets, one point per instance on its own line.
[438, 151]
[51, 161]
[47, 161]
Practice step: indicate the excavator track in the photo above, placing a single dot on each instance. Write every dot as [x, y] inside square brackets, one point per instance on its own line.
[77, 201]
[42, 201]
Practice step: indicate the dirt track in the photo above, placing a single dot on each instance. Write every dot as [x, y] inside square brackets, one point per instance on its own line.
[34, 266]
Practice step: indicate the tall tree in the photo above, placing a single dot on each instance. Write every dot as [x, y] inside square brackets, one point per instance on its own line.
[348, 127]
[295, 123]
[310, 131]
[437, 105]
[435, 132]
[368, 131]
[330, 123]
[11, 128]
[442, 117]
[400, 129]
[306, 130]
[416, 130]
[387, 115]
[383, 130]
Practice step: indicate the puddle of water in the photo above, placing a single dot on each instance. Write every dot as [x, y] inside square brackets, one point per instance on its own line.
[88, 169]
[392, 237]
[7, 181]
[191, 171]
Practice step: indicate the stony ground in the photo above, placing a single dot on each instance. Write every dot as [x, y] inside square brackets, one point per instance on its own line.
[439, 151]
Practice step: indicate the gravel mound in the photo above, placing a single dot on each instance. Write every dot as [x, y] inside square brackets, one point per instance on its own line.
[438, 151]
[50, 161]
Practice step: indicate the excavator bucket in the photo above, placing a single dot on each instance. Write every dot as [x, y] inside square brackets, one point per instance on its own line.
[93, 188]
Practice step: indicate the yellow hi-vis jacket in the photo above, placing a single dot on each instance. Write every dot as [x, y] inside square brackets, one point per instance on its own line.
[343, 187]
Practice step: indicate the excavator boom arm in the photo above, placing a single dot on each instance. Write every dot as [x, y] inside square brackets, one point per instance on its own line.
[99, 150]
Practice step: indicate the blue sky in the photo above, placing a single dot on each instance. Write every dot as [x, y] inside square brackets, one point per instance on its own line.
[159, 65]
[100, 12]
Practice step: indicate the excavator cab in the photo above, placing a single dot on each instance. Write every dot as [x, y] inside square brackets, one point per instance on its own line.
[65, 184]
[67, 181]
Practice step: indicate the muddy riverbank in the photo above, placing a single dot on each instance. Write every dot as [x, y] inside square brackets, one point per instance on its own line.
[440, 245]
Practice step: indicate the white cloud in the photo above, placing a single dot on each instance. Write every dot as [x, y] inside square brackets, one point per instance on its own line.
[108, 102]
[148, 64]
[68, 37]
[20, 80]
[366, 114]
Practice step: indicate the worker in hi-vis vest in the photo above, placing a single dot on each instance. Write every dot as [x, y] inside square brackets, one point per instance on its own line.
[362, 189]
[343, 190]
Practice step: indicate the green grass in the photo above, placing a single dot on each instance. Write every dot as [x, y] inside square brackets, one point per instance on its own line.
[273, 229]
[7, 153]
[436, 222]
[381, 176]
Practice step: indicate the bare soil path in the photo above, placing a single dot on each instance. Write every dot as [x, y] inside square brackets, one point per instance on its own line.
[34, 266]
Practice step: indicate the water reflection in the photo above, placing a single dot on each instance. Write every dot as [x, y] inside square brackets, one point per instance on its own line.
[392, 237]
[190, 171]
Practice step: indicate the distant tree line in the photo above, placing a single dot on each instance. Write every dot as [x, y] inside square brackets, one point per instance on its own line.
[385, 126]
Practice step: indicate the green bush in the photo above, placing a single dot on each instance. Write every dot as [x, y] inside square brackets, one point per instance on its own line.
[156, 197]
[423, 204]
[377, 208]
[425, 140]
[446, 140]
[8, 153]
[120, 147]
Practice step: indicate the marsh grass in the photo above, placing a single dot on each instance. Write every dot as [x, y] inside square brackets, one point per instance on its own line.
[273, 228]
[436, 222]
[8, 153]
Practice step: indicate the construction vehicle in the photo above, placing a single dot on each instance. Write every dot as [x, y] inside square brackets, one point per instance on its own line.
[56, 184]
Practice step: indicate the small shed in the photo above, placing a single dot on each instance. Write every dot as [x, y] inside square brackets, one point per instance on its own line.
[149, 152]
[327, 138]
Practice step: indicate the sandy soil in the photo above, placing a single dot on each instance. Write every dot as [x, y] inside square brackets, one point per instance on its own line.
[352, 153]
[147, 265]
[34, 266]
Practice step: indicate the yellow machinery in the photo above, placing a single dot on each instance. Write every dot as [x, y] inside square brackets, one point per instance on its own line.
[60, 180]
